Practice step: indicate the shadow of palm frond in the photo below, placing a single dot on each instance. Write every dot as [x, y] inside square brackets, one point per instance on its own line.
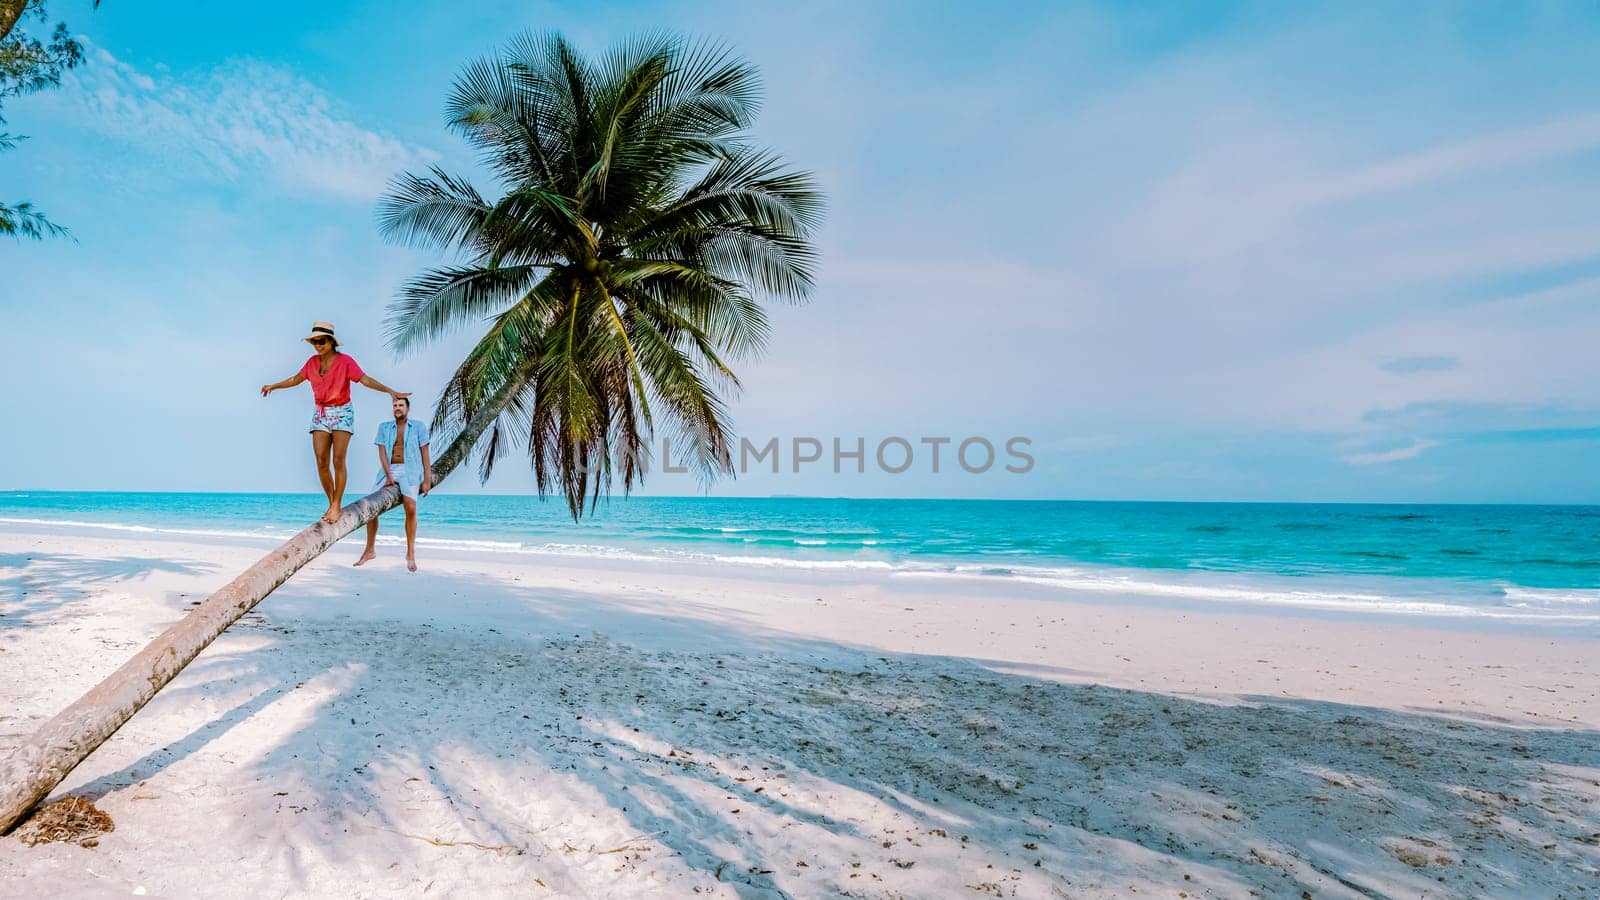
[33, 585]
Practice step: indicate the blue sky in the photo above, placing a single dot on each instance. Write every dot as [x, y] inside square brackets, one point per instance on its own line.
[1193, 251]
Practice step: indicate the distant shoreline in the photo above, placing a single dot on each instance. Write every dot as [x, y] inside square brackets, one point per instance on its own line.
[619, 498]
[1346, 598]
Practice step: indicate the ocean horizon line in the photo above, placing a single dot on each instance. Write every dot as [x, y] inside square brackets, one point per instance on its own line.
[1458, 504]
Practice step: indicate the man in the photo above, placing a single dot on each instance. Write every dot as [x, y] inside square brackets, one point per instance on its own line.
[404, 459]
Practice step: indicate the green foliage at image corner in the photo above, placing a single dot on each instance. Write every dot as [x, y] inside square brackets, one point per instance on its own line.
[30, 63]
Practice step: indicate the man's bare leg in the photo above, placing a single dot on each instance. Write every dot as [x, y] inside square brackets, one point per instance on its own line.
[371, 553]
[321, 447]
[340, 443]
[411, 532]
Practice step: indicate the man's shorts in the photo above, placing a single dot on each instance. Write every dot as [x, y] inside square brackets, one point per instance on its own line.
[408, 476]
[334, 418]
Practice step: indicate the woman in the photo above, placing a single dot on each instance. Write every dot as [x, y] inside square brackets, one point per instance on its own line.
[334, 420]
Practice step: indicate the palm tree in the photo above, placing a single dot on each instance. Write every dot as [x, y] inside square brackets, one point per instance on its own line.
[622, 263]
[622, 268]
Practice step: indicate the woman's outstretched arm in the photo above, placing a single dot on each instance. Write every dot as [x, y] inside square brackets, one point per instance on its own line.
[291, 381]
[375, 384]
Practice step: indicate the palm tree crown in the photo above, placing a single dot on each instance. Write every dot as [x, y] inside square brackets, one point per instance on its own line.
[622, 268]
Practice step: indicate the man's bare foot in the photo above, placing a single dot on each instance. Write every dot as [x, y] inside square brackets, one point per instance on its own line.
[367, 556]
[332, 515]
[411, 563]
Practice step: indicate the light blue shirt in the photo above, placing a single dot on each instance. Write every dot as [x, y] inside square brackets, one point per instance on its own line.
[416, 439]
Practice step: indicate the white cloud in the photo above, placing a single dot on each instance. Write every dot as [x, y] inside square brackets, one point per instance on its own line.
[1388, 456]
[1254, 181]
[240, 121]
[1496, 151]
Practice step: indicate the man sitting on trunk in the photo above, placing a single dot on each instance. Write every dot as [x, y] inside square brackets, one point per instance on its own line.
[405, 462]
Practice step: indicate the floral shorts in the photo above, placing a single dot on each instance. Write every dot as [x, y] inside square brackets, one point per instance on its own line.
[334, 418]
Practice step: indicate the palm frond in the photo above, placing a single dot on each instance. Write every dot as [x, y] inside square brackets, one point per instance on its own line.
[22, 220]
[441, 211]
[433, 303]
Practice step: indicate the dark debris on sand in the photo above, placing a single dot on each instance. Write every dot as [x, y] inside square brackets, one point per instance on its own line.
[68, 819]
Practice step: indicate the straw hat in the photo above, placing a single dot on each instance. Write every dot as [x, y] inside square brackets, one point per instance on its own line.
[322, 329]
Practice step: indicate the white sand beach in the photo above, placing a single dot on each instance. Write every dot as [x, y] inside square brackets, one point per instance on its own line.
[498, 725]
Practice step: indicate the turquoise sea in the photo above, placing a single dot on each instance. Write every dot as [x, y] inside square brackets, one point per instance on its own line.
[1495, 561]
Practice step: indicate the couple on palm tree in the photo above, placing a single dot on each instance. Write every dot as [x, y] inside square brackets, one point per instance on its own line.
[404, 457]
[613, 281]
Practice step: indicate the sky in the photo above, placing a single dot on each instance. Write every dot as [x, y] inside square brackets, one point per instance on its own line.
[1197, 251]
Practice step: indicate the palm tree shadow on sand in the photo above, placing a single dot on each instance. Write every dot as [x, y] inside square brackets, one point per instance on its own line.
[33, 585]
[514, 740]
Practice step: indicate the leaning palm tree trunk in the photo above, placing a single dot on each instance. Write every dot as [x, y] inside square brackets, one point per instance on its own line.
[33, 769]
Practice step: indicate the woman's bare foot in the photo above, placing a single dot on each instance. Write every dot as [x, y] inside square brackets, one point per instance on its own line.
[332, 515]
[411, 563]
[367, 556]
